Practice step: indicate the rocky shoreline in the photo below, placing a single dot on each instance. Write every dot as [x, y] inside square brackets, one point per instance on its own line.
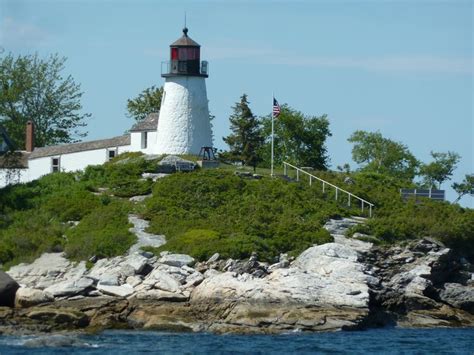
[348, 284]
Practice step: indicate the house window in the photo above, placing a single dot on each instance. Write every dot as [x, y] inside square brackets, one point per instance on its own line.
[111, 153]
[55, 164]
[144, 140]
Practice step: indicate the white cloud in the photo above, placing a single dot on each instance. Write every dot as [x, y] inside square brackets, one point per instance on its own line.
[407, 63]
[14, 33]
[388, 63]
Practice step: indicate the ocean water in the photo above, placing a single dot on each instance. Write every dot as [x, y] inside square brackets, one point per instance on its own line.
[375, 341]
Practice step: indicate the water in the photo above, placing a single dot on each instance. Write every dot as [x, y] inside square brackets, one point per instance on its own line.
[376, 341]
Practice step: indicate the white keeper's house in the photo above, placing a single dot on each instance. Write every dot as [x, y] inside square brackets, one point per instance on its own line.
[181, 127]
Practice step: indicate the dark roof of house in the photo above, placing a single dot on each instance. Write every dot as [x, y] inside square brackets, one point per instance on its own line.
[14, 160]
[80, 147]
[150, 123]
[185, 40]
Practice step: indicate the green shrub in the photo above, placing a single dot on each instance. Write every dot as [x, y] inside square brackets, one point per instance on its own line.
[215, 211]
[103, 233]
[30, 234]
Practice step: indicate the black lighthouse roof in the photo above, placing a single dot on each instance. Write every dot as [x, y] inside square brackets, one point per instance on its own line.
[185, 41]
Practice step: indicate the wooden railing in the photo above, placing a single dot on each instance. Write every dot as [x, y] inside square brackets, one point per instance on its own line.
[363, 203]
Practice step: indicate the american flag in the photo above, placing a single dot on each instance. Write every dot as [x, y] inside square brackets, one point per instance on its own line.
[276, 108]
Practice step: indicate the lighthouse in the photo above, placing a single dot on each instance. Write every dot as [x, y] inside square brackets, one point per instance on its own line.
[183, 123]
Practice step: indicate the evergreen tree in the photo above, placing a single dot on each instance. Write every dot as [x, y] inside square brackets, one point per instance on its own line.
[246, 139]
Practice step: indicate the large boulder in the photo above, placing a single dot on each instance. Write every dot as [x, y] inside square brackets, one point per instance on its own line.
[169, 163]
[458, 296]
[117, 291]
[177, 260]
[8, 288]
[48, 270]
[27, 297]
[70, 288]
[325, 276]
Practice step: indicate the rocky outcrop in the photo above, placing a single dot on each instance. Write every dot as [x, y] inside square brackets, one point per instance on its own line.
[8, 288]
[347, 284]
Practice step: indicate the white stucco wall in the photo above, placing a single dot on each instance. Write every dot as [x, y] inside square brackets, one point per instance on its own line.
[183, 124]
[68, 162]
[136, 142]
[14, 176]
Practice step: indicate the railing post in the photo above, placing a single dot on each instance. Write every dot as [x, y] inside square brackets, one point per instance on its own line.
[349, 200]
[310, 180]
[362, 206]
[297, 175]
[324, 186]
[336, 193]
[284, 169]
[370, 211]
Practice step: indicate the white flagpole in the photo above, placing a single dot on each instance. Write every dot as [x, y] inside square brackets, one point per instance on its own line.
[271, 170]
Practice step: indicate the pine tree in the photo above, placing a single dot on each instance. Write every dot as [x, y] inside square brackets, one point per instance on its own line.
[246, 138]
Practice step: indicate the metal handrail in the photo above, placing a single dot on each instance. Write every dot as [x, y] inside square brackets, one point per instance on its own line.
[311, 176]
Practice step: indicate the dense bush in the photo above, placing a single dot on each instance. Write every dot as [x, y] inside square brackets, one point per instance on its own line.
[121, 175]
[215, 211]
[34, 216]
[103, 233]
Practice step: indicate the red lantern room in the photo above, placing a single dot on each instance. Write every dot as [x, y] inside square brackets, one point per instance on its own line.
[185, 58]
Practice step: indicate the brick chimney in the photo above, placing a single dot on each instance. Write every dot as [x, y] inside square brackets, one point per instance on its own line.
[30, 136]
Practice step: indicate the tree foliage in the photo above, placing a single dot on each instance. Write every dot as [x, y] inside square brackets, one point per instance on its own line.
[381, 155]
[464, 188]
[246, 137]
[32, 88]
[299, 139]
[148, 101]
[439, 170]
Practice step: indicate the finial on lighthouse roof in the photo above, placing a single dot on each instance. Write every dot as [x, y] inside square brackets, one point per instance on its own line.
[185, 41]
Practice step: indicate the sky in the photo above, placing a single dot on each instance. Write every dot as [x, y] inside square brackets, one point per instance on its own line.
[404, 68]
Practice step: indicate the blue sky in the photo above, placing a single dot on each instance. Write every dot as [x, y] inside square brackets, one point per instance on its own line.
[404, 68]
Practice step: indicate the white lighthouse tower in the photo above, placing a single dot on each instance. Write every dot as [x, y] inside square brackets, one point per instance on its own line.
[183, 123]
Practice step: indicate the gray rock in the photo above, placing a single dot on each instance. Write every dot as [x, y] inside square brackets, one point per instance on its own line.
[143, 238]
[458, 296]
[117, 291]
[159, 295]
[27, 297]
[163, 281]
[109, 280]
[137, 262]
[70, 288]
[213, 258]
[323, 275]
[194, 279]
[177, 260]
[139, 198]
[8, 288]
[133, 281]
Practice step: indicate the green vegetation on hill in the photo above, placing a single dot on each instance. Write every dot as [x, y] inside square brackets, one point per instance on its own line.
[34, 216]
[208, 211]
[215, 211]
